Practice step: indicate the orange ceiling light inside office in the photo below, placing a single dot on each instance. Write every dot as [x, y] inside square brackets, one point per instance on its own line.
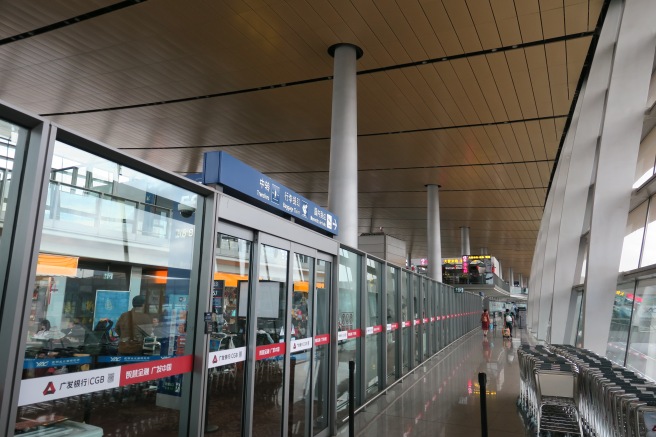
[230, 279]
[56, 265]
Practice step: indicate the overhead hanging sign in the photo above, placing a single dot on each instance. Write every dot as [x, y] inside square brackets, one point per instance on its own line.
[221, 168]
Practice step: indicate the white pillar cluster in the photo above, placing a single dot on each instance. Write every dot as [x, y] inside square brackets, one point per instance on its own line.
[588, 202]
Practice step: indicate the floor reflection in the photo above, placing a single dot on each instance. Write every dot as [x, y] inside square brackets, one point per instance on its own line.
[441, 397]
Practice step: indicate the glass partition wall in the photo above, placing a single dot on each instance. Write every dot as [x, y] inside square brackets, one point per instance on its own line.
[422, 316]
[126, 277]
[111, 306]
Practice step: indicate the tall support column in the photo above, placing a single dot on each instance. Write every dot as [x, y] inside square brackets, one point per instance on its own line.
[434, 236]
[536, 267]
[521, 281]
[465, 248]
[343, 176]
[557, 195]
[511, 277]
[618, 153]
[586, 133]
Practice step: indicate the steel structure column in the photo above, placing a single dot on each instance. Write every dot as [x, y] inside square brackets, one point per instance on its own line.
[343, 178]
[618, 153]
[586, 134]
[434, 237]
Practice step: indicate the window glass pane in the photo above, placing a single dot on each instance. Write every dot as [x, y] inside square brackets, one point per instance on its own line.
[649, 250]
[424, 314]
[271, 313]
[416, 293]
[111, 289]
[635, 228]
[406, 320]
[374, 328]
[646, 158]
[392, 321]
[301, 346]
[12, 138]
[349, 287]
[584, 265]
[619, 323]
[229, 310]
[321, 368]
[642, 344]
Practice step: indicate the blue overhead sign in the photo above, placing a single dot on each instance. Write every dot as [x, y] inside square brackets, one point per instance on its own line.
[221, 168]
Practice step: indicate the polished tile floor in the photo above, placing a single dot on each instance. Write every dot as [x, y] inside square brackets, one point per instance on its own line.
[441, 397]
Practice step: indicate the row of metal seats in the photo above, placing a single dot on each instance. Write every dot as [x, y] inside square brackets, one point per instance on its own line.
[548, 393]
[613, 401]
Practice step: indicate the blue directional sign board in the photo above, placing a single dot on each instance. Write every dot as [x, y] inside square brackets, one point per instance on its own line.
[221, 168]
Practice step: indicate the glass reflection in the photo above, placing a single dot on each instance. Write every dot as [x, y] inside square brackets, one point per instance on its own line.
[111, 288]
[374, 326]
[321, 367]
[12, 138]
[642, 344]
[649, 249]
[348, 322]
[271, 312]
[230, 293]
[406, 319]
[392, 322]
[301, 345]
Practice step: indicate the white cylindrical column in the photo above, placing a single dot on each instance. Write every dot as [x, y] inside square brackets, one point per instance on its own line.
[465, 248]
[521, 281]
[343, 177]
[434, 236]
[511, 278]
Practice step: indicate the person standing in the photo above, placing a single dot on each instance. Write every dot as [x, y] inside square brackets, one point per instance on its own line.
[485, 322]
[508, 318]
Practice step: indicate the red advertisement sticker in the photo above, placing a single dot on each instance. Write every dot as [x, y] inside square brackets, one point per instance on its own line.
[378, 329]
[395, 326]
[269, 351]
[322, 339]
[146, 371]
[353, 333]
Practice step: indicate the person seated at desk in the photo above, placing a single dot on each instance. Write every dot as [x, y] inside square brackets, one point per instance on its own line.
[43, 331]
[74, 333]
[132, 326]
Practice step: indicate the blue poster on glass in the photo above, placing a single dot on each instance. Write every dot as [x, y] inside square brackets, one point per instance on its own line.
[110, 305]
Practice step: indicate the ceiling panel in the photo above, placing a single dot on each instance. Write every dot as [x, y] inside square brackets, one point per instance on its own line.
[166, 81]
[19, 16]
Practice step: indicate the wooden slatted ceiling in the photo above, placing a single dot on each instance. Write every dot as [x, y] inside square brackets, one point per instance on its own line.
[18, 16]
[510, 106]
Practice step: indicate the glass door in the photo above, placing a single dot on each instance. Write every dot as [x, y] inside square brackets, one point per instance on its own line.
[270, 341]
[228, 340]
[301, 345]
[321, 359]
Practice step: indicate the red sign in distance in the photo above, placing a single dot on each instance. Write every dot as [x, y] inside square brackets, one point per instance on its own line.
[395, 326]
